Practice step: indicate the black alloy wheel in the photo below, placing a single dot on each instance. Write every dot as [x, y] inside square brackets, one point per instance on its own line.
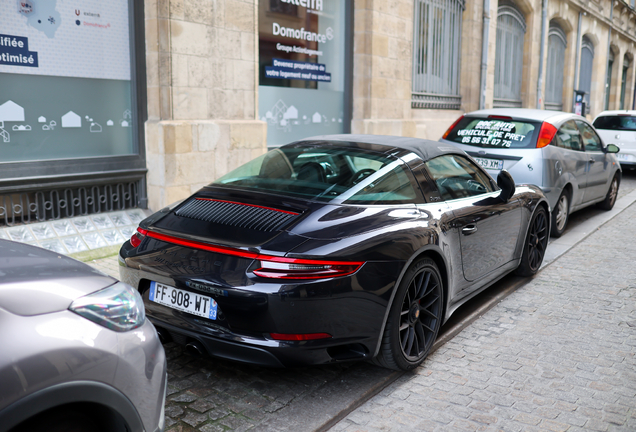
[415, 318]
[535, 244]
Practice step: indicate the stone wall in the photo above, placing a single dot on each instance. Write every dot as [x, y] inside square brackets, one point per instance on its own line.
[383, 34]
[201, 59]
[202, 77]
[383, 44]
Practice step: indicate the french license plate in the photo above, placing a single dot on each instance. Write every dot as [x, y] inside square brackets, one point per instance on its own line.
[491, 164]
[184, 301]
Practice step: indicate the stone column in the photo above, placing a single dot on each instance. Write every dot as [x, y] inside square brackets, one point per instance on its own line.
[383, 34]
[201, 58]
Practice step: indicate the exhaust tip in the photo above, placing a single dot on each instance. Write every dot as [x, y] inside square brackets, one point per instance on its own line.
[195, 348]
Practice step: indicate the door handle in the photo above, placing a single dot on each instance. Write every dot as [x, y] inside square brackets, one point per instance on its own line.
[469, 229]
[592, 160]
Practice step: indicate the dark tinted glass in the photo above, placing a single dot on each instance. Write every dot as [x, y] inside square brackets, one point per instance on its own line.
[616, 122]
[494, 133]
[327, 173]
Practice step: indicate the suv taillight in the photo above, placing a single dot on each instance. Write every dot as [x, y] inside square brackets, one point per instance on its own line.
[452, 127]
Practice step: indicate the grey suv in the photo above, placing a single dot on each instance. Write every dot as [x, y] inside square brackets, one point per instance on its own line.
[76, 352]
[557, 151]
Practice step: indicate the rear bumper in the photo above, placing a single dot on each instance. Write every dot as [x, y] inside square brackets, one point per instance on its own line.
[349, 308]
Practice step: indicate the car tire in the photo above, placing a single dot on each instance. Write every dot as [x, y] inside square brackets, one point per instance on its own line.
[560, 215]
[612, 194]
[414, 319]
[534, 244]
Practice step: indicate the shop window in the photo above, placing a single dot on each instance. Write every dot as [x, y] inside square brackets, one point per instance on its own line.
[554, 76]
[303, 65]
[67, 82]
[585, 74]
[511, 29]
[283, 8]
[436, 54]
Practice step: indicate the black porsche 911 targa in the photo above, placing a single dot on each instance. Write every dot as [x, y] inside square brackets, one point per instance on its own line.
[333, 248]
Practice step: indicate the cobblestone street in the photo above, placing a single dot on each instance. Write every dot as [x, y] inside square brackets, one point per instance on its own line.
[559, 354]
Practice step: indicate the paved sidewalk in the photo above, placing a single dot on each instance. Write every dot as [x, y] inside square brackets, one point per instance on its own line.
[559, 354]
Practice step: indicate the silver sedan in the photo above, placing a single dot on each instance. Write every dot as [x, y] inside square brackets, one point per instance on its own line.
[76, 351]
[557, 151]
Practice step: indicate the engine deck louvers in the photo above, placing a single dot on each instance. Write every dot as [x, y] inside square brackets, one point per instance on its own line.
[236, 214]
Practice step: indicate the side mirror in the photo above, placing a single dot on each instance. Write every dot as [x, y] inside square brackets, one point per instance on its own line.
[507, 185]
[612, 148]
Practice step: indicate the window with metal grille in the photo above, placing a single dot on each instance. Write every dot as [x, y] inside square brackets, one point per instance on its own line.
[554, 76]
[436, 54]
[608, 79]
[624, 80]
[511, 29]
[585, 74]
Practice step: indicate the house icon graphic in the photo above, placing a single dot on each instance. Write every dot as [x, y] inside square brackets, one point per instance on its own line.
[71, 120]
[11, 111]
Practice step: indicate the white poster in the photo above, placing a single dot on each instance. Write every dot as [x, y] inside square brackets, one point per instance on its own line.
[68, 38]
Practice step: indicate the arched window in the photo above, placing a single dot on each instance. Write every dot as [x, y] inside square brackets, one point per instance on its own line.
[556, 63]
[436, 51]
[626, 63]
[511, 28]
[608, 79]
[585, 74]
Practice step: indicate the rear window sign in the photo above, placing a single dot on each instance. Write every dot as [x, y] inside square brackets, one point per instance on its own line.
[494, 133]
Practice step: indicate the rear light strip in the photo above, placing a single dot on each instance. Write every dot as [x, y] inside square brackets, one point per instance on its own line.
[270, 266]
[299, 337]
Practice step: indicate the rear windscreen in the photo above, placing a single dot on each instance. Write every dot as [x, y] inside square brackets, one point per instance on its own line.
[325, 172]
[495, 133]
[619, 122]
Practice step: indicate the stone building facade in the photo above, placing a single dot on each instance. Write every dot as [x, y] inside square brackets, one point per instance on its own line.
[168, 95]
[202, 73]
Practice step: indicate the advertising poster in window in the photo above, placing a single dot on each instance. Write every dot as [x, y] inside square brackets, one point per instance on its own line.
[65, 75]
[301, 68]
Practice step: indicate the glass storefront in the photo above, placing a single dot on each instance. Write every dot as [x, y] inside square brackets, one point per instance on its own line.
[65, 75]
[302, 73]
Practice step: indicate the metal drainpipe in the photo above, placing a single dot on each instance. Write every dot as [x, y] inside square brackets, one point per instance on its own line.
[544, 21]
[576, 60]
[609, 43]
[484, 54]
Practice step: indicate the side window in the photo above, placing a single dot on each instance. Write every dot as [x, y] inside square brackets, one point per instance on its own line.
[591, 141]
[569, 137]
[457, 177]
[389, 185]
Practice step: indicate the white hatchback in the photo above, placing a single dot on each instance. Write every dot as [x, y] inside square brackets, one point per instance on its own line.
[619, 127]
